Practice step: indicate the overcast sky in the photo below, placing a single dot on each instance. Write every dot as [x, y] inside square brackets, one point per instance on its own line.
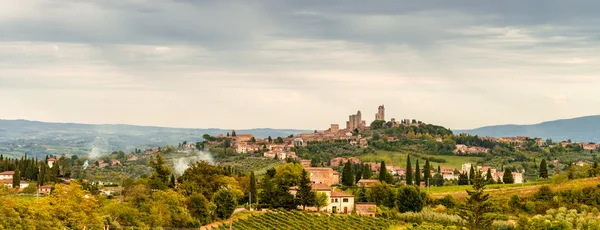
[298, 64]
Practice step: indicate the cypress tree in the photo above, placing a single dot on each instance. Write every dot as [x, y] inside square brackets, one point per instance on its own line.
[471, 173]
[427, 173]
[543, 169]
[439, 169]
[367, 172]
[409, 172]
[508, 177]
[253, 192]
[348, 175]
[417, 174]
[16, 179]
[489, 178]
[383, 172]
[358, 173]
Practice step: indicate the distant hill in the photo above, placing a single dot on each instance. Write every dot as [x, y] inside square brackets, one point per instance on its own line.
[581, 129]
[37, 138]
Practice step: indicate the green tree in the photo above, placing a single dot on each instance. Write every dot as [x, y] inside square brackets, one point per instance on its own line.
[198, 206]
[383, 194]
[427, 173]
[348, 174]
[410, 199]
[384, 174]
[543, 169]
[409, 171]
[377, 124]
[463, 179]
[375, 137]
[476, 210]
[438, 179]
[367, 172]
[417, 174]
[321, 200]
[595, 168]
[507, 178]
[305, 196]
[225, 202]
[160, 175]
[471, 172]
[362, 194]
[489, 178]
[253, 191]
[16, 182]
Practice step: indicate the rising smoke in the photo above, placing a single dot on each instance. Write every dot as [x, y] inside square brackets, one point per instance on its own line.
[181, 164]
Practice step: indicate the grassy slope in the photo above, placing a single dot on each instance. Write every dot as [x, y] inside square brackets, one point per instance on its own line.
[399, 159]
[522, 190]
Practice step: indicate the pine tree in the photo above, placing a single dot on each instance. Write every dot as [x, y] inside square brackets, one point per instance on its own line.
[348, 175]
[367, 172]
[16, 179]
[427, 173]
[409, 172]
[383, 172]
[508, 177]
[417, 174]
[543, 169]
[476, 210]
[305, 196]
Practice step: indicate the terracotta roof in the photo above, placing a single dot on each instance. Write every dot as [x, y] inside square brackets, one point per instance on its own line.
[52, 159]
[317, 169]
[48, 186]
[340, 194]
[6, 181]
[318, 187]
[8, 173]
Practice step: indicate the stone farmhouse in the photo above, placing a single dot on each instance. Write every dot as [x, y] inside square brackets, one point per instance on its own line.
[326, 176]
[337, 202]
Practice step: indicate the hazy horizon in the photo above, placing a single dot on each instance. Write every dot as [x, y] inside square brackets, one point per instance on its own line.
[298, 64]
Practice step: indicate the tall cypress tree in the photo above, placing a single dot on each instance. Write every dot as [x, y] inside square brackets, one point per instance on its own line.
[409, 172]
[16, 179]
[508, 177]
[471, 173]
[357, 173]
[543, 169]
[417, 174]
[427, 173]
[367, 172]
[383, 172]
[253, 192]
[348, 175]
[489, 178]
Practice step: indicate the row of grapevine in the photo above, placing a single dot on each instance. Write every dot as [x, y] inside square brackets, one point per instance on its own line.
[299, 220]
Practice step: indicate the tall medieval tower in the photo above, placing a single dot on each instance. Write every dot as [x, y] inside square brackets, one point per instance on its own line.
[380, 116]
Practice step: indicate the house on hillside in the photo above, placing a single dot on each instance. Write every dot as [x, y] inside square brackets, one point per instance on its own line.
[51, 162]
[337, 202]
[326, 176]
[7, 175]
[43, 190]
[366, 208]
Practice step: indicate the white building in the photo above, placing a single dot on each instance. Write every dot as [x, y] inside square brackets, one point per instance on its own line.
[337, 202]
[7, 175]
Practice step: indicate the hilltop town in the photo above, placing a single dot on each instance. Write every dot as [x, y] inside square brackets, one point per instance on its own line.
[359, 170]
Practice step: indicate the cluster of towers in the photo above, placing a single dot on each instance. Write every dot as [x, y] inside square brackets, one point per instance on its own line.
[355, 121]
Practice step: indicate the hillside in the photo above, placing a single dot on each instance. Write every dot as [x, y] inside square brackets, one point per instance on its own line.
[577, 129]
[18, 137]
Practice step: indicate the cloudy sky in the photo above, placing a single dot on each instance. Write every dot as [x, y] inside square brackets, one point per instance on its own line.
[298, 64]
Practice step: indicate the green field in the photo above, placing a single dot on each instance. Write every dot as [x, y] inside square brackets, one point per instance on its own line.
[399, 159]
[302, 220]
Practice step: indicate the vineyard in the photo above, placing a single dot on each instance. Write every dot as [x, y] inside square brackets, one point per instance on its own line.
[299, 220]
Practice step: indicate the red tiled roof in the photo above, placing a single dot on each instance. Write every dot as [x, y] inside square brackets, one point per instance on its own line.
[6, 181]
[8, 173]
[340, 194]
[48, 186]
[52, 159]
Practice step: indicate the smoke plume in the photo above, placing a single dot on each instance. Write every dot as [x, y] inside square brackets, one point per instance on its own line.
[181, 164]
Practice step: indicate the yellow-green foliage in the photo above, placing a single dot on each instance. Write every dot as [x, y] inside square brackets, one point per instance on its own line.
[560, 219]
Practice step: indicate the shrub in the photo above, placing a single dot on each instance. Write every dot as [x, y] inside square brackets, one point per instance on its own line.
[514, 202]
[544, 194]
[530, 207]
[447, 201]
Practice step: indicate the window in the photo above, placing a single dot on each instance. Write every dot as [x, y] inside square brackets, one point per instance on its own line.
[336, 200]
[345, 200]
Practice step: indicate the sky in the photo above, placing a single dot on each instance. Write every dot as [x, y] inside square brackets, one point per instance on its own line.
[298, 64]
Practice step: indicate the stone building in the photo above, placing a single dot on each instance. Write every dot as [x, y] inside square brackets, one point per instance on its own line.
[380, 115]
[324, 176]
[355, 121]
[366, 209]
[335, 128]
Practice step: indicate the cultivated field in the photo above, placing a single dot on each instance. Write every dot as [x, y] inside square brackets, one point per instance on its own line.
[399, 159]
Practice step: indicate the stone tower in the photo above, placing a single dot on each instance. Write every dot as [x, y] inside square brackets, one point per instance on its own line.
[380, 116]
